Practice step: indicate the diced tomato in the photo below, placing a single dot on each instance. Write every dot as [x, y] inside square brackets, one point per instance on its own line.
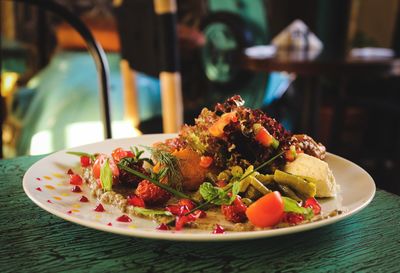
[265, 138]
[85, 161]
[99, 162]
[266, 211]
[206, 161]
[136, 201]
[120, 153]
[313, 203]
[75, 179]
[217, 129]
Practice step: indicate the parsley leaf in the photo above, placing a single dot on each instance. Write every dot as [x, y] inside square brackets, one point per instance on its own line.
[106, 177]
[218, 196]
[291, 205]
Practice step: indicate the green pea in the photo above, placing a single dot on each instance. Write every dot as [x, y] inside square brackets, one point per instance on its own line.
[236, 171]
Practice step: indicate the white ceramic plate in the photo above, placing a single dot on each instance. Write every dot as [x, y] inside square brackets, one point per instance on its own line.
[47, 184]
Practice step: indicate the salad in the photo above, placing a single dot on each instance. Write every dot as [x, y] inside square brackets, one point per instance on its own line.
[235, 169]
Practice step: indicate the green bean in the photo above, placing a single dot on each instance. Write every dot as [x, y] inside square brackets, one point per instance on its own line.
[236, 171]
[265, 178]
[296, 183]
[252, 193]
[258, 185]
[247, 201]
[244, 184]
[289, 192]
[224, 176]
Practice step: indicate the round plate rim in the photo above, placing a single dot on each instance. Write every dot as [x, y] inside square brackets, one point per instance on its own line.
[177, 236]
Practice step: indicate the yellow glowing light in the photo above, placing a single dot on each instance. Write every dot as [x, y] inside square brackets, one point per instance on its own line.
[8, 81]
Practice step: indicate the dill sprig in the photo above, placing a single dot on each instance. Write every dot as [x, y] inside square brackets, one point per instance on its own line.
[170, 163]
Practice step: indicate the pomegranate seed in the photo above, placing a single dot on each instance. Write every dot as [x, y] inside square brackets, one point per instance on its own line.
[218, 229]
[109, 224]
[177, 210]
[124, 218]
[136, 201]
[38, 189]
[38, 179]
[75, 180]
[292, 218]
[49, 201]
[85, 161]
[70, 172]
[84, 199]
[200, 213]
[163, 227]
[181, 221]
[99, 208]
[76, 189]
[69, 212]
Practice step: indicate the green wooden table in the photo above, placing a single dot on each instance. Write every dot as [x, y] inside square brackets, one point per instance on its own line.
[33, 240]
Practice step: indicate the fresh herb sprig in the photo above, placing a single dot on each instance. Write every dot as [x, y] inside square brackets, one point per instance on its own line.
[169, 189]
[171, 163]
[91, 156]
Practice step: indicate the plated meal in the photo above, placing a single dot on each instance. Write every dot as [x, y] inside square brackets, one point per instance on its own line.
[236, 169]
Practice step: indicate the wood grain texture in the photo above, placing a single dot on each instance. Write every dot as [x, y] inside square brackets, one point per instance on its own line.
[32, 240]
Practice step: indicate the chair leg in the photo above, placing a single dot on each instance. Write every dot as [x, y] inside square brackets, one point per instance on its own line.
[171, 99]
[130, 94]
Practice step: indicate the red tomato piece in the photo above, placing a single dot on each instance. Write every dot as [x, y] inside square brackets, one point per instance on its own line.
[136, 201]
[85, 161]
[188, 203]
[120, 153]
[217, 129]
[266, 211]
[75, 179]
[313, 203]
[206, 161]
[100, 161]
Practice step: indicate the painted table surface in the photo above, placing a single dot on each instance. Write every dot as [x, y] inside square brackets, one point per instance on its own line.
[32, 240]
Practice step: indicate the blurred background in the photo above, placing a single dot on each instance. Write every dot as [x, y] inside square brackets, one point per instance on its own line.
[323, 67]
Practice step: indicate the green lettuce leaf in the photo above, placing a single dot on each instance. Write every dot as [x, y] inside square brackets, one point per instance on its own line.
[291, 205]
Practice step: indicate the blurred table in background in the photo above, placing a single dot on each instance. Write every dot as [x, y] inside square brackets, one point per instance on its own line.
[310, 68]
